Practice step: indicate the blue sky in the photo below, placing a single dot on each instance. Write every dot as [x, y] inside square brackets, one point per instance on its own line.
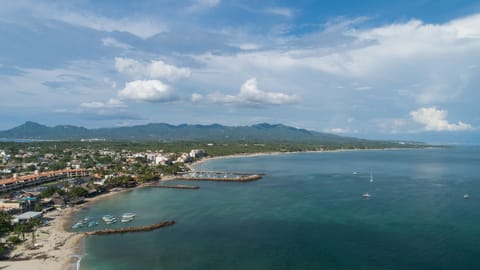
[372, 69]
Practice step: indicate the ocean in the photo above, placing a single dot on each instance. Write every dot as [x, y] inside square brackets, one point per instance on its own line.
[306, 213]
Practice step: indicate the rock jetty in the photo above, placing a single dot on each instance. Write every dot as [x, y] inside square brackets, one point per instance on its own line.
[133, 229]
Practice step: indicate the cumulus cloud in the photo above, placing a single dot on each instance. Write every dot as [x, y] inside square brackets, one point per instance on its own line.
[156, 69]
[250, 94]
[434, 119]
[147, 90]
[111, 42]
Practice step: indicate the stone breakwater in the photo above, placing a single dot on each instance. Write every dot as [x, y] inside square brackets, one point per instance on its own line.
[243, 178]
[175, 186]
[132, 229]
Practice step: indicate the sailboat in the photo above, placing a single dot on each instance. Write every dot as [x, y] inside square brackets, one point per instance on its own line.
[371, 178]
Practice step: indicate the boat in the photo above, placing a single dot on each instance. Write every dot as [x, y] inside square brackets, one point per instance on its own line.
[109, 219]
[371, 178]
[92, 223]
[77, 225]
[126, 219]
[366, 195]
[128, 215]
[466, 196]
[354, 172]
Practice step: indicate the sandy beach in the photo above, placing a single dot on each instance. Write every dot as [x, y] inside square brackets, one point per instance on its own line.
[57, 248]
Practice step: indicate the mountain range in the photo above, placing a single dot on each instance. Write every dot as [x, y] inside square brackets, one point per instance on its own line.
[167, 132]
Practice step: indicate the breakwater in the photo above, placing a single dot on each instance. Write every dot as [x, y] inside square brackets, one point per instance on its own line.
[219, 176]
[133, 229]
[175, 186]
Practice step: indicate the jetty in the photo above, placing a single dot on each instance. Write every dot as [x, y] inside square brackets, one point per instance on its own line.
[175, 186]
[132, 229]
[218, 176]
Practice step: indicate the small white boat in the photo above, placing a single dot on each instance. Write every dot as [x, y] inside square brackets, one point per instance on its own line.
[466, 196]
[92, 223]
[77, 225]
[371, 178]
[366, 195]
[354, 172]
[111, 221]
[128, 215]
[125, 219]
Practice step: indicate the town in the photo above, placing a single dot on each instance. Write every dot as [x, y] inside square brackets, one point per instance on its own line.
[38, 179]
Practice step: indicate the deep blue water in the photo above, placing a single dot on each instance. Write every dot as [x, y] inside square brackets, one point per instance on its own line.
[307, 213]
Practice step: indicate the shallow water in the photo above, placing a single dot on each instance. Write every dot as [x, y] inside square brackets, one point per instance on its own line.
[307, 213]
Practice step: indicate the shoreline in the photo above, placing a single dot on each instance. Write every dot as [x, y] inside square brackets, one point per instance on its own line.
[193, 166]
[63, 250]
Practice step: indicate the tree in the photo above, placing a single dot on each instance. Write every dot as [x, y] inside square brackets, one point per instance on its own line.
[49, 192]
[78, 192]
[5, 223]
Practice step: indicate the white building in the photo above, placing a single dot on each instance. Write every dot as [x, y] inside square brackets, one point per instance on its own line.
[184, 157]
[197, 153]
[162, 160]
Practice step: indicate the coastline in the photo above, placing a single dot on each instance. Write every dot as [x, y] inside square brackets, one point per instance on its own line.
[63, 250]
[193, 166]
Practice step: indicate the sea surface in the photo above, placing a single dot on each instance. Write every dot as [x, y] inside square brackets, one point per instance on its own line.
[307, 213]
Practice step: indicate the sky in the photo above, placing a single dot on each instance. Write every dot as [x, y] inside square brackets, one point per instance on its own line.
[369, 69]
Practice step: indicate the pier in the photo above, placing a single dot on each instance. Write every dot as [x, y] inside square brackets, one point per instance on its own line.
[133, 229]
[219, 176]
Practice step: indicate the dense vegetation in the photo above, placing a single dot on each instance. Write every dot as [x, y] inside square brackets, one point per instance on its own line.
[164, 132]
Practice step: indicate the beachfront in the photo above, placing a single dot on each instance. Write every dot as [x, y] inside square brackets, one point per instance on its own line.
[56, 248]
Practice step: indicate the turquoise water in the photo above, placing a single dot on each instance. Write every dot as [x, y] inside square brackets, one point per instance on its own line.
[307, 213]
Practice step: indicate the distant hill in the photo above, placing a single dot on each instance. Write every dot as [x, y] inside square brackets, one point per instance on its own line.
[166, 132]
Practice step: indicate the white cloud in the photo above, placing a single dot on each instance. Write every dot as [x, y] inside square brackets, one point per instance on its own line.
[208, 3]
[435, 120]
[200, 5]
[247, 46]
[111, 42]
[251, 95]
[156, 69]
[140, 27]
[340, 130]
[110, 104]
[280, 11]
[147, 90]
[196, 97]
[92, 105]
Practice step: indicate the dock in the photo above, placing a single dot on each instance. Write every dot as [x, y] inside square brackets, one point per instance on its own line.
[132, 229]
